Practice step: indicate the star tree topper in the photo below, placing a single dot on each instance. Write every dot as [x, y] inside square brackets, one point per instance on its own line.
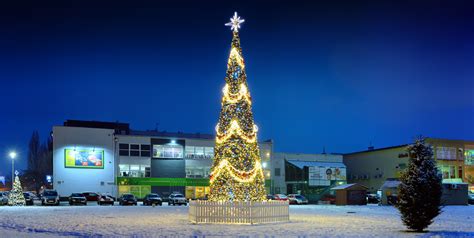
[235, 22]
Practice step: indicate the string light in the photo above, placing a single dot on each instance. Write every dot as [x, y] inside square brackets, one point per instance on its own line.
[236, 174]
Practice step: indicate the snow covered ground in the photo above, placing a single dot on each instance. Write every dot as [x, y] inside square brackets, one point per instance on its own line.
[169, 221]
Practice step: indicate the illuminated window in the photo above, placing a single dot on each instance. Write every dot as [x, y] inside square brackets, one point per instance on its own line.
[199, 152]
[167, 151]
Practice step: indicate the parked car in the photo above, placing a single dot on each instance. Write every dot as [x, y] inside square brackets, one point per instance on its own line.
[152, 199]
[3, 198]
[91, 196]
[29, 198]
[127, 199]
[297, 199]
[105, 199]
[177, 198]
[77, 198]
[270, 197]
[329, 198]
[50, 197]
[470, 198]
[373, 198]
[280, 197]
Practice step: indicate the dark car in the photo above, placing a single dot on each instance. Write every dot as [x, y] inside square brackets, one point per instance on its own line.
[77, 198]
[270, 197]
[152, 199]
[91, 196]
[177, 198]
[373, 198]
[127, 199]
[470, 198]
[50, 197]
[105, 199]
[28, 198]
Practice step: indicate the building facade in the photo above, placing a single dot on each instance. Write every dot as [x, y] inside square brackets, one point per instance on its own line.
[110, 158]
[312, 175]
[372, 167]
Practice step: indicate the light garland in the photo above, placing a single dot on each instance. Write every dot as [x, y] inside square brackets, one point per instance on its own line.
[239, 175]
[234, 54]
[237, 97]
[236, 130]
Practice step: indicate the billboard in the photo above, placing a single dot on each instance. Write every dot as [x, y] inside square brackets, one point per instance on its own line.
[84, 158]
[322, 175]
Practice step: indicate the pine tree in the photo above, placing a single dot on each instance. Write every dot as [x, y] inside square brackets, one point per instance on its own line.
[419, 194]
[16, 197]
[236, 174]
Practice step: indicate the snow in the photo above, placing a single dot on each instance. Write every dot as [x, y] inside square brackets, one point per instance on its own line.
[170, 221]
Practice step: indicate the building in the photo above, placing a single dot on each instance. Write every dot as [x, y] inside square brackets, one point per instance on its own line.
[111, 158]
[312, 175]
[372, 167]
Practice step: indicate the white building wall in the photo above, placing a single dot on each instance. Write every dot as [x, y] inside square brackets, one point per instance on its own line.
[69, 180]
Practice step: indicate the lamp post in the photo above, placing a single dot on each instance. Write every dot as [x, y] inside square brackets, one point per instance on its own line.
[13, 156]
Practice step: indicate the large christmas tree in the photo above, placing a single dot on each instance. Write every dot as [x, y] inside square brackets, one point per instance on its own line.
[16, 197]
[419, 194]
[236, 174]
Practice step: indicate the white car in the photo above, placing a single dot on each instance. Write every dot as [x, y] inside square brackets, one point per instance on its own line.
[177, 198]
[50, 197]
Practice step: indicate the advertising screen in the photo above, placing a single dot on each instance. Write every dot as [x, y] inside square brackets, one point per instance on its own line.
[84, 158]
[322, 176]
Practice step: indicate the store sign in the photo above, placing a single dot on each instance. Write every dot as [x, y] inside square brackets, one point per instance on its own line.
[469, 157]
[322, 176]
[84, 158]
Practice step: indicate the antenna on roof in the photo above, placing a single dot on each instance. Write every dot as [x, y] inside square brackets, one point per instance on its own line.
[324, 150]
[156, 126]
[371, 147]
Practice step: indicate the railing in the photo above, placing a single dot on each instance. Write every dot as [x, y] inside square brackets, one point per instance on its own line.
[238, 212]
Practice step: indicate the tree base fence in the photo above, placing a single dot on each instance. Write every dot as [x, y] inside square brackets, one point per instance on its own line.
[238, 212]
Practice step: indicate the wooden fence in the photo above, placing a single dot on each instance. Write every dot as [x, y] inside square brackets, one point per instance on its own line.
[238, 212]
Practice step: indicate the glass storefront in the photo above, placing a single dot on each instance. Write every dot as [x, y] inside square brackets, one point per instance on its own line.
[194, 192]
[168, 151]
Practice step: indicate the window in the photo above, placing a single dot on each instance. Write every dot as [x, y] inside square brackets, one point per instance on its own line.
[199, 152]
[460, 172]
[134, 150]
[445, 153]
[123, 149]
[124, 170]
[145, 150]
[277, 172]
[167, 151]
[134, 170]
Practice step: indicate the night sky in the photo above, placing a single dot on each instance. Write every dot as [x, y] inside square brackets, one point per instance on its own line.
[339, 74]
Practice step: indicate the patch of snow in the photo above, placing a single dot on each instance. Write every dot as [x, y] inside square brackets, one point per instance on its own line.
[171, 221]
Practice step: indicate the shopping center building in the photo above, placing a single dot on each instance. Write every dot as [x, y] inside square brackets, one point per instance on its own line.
[372, 167]
[108, 157]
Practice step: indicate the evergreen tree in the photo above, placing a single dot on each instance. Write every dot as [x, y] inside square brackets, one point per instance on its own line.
[16, 197]
[236, 174]
[419, 194]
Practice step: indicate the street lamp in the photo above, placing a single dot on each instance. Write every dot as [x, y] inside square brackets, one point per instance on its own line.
[12, 155]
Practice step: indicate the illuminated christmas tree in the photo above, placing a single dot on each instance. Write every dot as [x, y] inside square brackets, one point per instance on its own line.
[16, 197]
[236, 174]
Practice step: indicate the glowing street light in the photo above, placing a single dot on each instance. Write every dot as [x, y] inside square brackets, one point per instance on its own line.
[12, 155]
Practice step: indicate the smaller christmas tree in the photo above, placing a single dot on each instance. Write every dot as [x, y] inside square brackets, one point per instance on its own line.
[419, 194]
[16, 197]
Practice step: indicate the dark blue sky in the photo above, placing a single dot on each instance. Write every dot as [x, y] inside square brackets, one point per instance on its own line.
[340, 74]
